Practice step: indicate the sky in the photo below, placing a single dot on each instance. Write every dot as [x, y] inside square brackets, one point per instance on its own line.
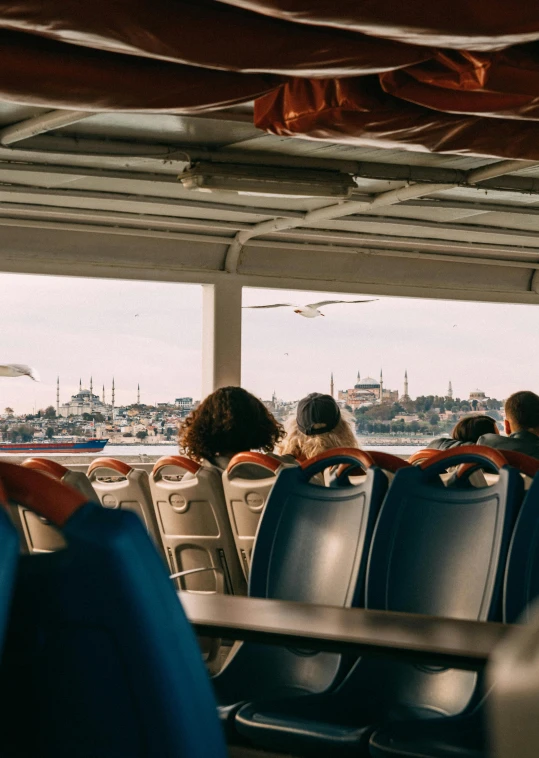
[150, 333]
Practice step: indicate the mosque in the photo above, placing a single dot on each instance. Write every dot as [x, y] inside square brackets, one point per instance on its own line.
[85, 402]
[368, 391]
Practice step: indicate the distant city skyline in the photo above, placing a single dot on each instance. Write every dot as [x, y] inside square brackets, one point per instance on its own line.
[149, 333]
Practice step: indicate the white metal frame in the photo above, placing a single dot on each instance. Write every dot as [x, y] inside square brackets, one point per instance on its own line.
[155, 242]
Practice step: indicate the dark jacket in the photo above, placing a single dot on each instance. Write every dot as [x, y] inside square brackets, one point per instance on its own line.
[521, 442]
[444, 443]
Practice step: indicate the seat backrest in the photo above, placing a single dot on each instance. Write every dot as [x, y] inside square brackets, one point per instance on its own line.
[121, 486]
[522, 574]
[9, 557]
[99, 654]
[513, 683]
[312, 541]
[193, 520]
[311, 546]
[439, 551]
[40, 535]
[247, 482]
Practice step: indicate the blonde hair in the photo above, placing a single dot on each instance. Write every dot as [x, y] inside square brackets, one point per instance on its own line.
[308, 445]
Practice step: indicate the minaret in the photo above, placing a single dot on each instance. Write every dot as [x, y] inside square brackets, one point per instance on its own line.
[406, 384]
[381, 387]
[113, 398]
[358, 378]
[138, 394]
[80, 385]
[450, 391]
[331, 386]
[103, 394]
[91, 385]
[58, 396]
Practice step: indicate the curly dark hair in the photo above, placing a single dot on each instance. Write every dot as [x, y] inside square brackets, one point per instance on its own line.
[229, 421]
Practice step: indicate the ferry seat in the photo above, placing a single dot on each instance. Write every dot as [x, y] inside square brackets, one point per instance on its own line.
[512, 704]
[513, 678]
[522, 576]
[9, 558]
[193, 521]
[437, 551]
[40, 535]
[121, 486]
[311, 546]
[247, 482]
[99, 653]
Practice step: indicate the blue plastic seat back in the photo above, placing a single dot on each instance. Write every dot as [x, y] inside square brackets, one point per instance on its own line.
[100, 659]
[312, 542]
[9, 558]
[438, 551]
[522, 574]
[311, 546]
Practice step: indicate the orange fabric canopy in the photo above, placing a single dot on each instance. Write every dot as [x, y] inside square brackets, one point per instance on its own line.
[451, 75]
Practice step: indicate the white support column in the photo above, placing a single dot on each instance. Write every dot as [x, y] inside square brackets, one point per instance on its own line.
[221, 335]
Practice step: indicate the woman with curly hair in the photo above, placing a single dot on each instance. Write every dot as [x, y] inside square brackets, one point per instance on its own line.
[228, 421]
[319, 425]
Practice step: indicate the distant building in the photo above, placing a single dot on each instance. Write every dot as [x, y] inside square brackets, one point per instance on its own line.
[478, 395]
[184, 403]
[83, 402]
[367, 391]
[405, 396]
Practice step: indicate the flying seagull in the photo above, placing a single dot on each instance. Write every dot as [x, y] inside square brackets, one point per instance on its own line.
[18, 369]
[312, 309]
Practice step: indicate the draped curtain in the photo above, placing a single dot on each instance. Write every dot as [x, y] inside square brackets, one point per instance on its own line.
[439, 75]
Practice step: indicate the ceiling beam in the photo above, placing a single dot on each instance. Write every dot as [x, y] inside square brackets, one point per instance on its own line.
[212, 232]
[10, 193]
[31, 202]
[111, 150]
[527, 245]
[339, 210]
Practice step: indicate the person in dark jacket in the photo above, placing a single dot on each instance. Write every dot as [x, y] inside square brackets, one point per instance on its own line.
[521, 425]
[467, 431]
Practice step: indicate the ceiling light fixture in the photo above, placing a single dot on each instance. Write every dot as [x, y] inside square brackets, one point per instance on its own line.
[269, 181]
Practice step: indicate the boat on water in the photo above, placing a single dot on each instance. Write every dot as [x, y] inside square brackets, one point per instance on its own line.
[93, 445]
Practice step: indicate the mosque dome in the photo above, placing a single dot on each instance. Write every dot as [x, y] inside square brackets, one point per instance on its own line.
[367, 384]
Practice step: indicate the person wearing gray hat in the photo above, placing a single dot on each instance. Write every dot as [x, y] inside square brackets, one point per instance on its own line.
[318, 425]
[317, 414]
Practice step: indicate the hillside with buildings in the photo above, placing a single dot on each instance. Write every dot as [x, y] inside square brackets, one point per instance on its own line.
[379, 412]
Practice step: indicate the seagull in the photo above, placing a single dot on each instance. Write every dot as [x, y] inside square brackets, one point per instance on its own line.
[18, 369]
[312, 309]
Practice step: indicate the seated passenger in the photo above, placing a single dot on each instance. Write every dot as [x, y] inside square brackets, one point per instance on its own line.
[521, 425]
[228, 421]
[319, 425]
[466, 432]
